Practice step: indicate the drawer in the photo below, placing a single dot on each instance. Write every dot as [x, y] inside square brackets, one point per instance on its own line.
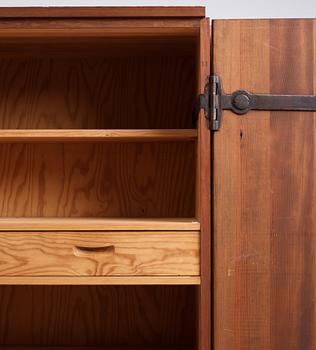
[99, 253]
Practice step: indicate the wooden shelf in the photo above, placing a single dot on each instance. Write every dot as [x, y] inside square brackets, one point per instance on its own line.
[22, 347]
[98, 224]
[96, 135]
[109, 281]
[102, 12]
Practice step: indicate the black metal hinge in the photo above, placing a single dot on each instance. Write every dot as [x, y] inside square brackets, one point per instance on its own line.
[213, 101]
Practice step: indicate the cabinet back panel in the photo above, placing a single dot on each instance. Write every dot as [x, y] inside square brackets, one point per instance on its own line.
[92, 92]
[97, 180]
[98, 315]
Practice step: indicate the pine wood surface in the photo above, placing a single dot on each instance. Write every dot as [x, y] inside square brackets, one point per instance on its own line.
[67, 181]
[97, 224]
[264, 208]
[110, 47]
[203, 194]
[103, 11]
[95, 135]
[90, 348]
[100, 254]
[12, 28]
[100, 280]
[97, 180]
[95, 92]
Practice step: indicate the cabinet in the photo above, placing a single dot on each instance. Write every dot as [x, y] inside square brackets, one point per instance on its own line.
[155, 194]
[104, 179]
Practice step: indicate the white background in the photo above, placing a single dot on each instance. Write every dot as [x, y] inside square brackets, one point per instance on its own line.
[215, 8]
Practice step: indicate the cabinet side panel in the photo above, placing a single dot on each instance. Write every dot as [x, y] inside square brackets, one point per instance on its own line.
[264, 226]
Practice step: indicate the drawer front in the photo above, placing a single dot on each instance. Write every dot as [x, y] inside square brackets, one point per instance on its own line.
[99, 253]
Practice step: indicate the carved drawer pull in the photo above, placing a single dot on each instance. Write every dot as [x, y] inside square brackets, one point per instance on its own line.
[90, 251]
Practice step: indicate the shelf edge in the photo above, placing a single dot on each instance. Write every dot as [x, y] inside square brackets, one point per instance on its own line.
[82, 280]
[96, 135]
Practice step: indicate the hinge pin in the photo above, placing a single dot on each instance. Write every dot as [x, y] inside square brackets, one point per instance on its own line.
[215, 103]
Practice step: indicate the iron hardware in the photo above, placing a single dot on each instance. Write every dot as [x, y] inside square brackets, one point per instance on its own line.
[213, 101]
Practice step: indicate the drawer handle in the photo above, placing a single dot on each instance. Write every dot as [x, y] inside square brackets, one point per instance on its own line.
[90, 251]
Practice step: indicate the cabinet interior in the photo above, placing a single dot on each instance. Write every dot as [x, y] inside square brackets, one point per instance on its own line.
[120, 180]
[66, 85]
[97, 317]
[98, 83]
[91, 84]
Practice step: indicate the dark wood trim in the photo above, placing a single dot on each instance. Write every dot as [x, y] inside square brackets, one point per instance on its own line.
[101, 12]
[204, 195]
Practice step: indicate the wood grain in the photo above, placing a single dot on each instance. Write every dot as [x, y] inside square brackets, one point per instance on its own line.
[99, 254]
[203, 194]
[126, 45]
[100, 281]
[45, 87]
[94, 92]
[90, 348]
[97, 224]
[97, 180]
[293, 185]
[264, 229]
[97, 27]
[105, 316]
[242, 157]
[102, 11]
[117, 46]
[101, 135]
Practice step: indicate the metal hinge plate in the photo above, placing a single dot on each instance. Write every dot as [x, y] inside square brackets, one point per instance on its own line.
[213, 101]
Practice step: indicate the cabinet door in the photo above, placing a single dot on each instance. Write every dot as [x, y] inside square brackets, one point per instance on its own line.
[264, 191]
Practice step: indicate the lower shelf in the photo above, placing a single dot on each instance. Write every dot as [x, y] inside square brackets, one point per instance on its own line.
[99, 135]
[86, 348]
[97, 224]
[147, 280]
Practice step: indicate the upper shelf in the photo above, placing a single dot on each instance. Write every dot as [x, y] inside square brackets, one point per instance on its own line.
[103, 12]
[97, 224]
[96, 135]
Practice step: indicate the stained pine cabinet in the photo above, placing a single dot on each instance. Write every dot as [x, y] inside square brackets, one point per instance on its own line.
[156, 180]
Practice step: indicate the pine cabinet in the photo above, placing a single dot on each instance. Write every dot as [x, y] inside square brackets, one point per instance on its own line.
[157, 180]
[105, 190]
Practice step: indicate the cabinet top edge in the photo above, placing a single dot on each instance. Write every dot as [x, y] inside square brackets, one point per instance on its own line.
[103, 12]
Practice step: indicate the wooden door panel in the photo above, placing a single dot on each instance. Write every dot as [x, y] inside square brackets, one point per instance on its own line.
[264, 191]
